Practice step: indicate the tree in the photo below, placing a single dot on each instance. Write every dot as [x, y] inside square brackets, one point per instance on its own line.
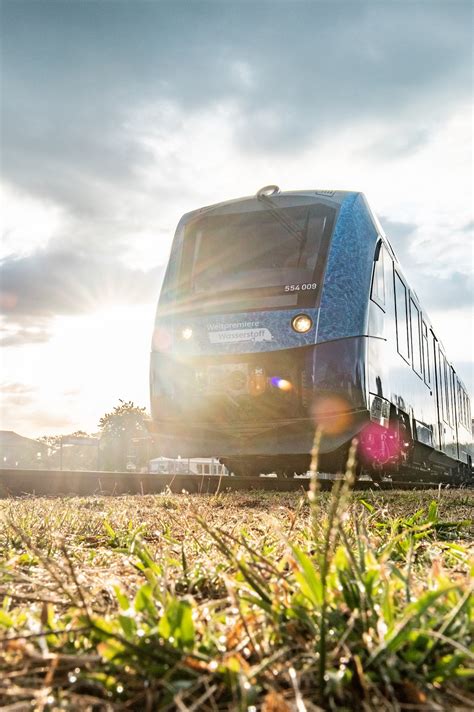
[119, 428]
[71, 457]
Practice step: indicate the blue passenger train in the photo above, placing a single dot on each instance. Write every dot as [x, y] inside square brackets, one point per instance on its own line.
[289, 310]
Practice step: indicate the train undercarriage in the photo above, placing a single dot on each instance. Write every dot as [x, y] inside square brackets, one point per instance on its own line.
[382, 453]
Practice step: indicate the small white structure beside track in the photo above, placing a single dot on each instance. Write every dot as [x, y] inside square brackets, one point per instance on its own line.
[185, 466]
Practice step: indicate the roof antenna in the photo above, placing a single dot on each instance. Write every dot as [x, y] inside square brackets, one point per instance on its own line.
[267, 191]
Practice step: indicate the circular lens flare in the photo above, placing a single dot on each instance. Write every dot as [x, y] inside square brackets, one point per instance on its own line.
[162, 340]
[379, 445]
[281, 383]
[302, 323]
[332, 414]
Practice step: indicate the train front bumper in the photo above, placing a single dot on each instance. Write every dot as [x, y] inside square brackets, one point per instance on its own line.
[258, 403]
[288, 437]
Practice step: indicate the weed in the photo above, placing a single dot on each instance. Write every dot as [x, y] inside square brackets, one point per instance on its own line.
[181, 602]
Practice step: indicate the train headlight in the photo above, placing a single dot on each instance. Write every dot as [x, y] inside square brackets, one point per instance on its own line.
[302, 323]
[187, 333]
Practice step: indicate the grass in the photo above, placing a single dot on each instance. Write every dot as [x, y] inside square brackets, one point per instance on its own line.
[258, 601]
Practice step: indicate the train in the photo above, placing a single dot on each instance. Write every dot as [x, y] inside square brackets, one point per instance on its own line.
[286, 314]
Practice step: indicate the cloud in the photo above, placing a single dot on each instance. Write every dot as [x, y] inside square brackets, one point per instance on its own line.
[397, 143]
[294, 72]
[400, 236]
[468, 227]
[62, 281]
[465, 371]
[16, 388]
[14, 334]
[452, 292]
[448, 290]
[18, 401]
[48, 419]
[15, 395]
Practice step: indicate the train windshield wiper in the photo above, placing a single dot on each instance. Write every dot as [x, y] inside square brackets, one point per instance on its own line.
[290, 225]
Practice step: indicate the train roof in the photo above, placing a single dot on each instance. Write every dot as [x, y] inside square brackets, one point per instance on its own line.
[333, 196]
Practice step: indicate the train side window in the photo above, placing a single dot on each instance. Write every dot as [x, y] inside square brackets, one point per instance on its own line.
[426, 353]
[460, 401]
[452, 409]
[452, 377]
[378, 279]
[440, 384]
[452, 380]
[463, 406]
[446, 390]
[401, 313]
[415, 337]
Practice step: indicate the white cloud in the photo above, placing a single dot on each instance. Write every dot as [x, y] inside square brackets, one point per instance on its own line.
[27, 222]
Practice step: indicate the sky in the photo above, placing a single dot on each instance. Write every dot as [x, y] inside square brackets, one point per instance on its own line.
[118, 117]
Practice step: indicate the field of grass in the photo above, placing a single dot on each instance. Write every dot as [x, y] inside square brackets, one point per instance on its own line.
[258, 601]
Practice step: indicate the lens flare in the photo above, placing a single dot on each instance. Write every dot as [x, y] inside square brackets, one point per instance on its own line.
[162, 340]
[281, 383]
[8, 300]
[332, 414]
[187, 333]
[379, 445]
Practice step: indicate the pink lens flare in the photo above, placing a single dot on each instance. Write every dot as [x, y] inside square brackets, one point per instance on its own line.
[379, 445]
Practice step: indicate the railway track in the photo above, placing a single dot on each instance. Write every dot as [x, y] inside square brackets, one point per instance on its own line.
[17, 483]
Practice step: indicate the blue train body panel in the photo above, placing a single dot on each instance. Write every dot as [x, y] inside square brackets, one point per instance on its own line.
[348, 273]
[218, 334]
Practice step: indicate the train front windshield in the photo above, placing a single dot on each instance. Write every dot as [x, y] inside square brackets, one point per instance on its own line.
[260, 259]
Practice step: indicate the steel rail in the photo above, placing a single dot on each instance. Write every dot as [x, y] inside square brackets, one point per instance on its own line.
[17, 483]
